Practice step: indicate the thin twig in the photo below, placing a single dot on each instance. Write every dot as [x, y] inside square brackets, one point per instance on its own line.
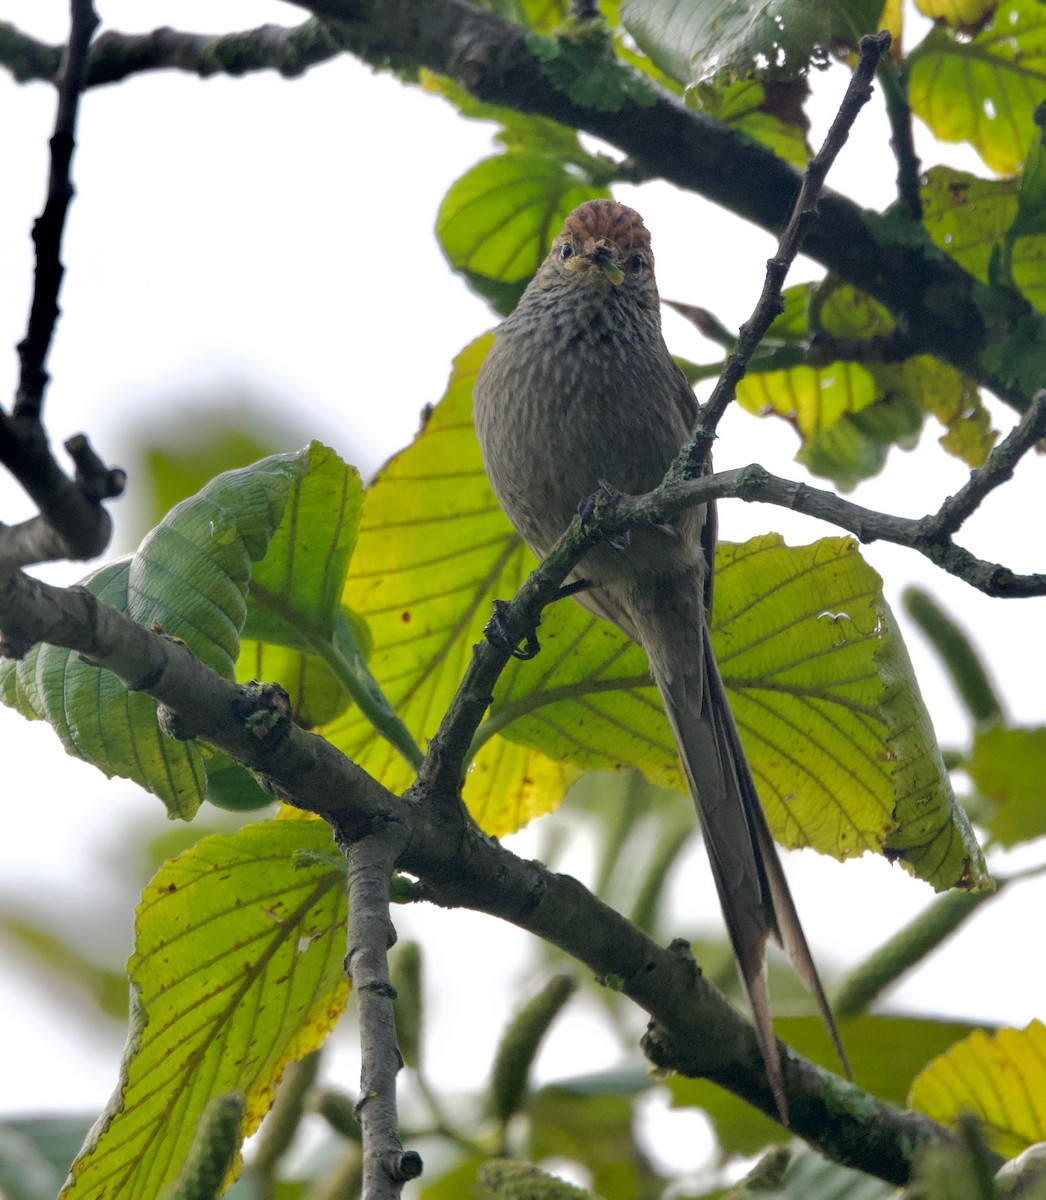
[115, 56]
[899, 114]
[71, 523]
[386, 1166]
[694, 455]
[49, 227]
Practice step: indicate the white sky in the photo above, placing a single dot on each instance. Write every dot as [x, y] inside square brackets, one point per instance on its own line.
[279, 234]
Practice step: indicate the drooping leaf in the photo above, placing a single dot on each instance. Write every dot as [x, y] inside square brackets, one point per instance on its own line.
[850, 411]
[98, 719]
[726, 40]
[237, 971]
[1000, 1080]
[984, 89]
[498, 220]
[1009, 767]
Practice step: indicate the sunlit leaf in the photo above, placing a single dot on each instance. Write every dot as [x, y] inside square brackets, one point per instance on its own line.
[840, 744]
[237, 971]
[966, 216]
[1009, 767]
[434, 551]
[984, 89]
[999, 1080]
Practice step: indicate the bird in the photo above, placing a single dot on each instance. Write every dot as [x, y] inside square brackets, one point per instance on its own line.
[578, 391]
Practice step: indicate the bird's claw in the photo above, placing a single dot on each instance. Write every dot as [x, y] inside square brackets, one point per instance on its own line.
[497, 634]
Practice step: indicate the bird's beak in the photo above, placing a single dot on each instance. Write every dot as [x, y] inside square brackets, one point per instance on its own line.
[597, 255]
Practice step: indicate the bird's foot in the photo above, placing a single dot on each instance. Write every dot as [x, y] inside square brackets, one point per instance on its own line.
[497, 634]
[605, 497]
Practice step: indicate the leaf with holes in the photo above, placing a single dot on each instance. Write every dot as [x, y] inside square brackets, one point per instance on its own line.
[984, 89]
[237, 971]
[725, 40]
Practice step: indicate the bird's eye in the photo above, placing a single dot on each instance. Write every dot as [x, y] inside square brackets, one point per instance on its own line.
[566, 251]
[638, 262]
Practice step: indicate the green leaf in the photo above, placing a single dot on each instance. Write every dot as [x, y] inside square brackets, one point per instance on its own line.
[595, 1130]
[886, 1054]
[98, 719]
[966, 216]
[809, 1175]
[582, 64]
[999, 1080]
[433, 553]
[983, 89]
[497, 221]
[726, 40]
[237, 971]
[1025, 244]
[35, 1153]
[963, 14]
[755, 109]
[850, 411]
[1009, 766]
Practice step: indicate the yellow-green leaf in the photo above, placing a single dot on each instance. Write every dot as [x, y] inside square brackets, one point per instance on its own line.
[963, 14]
[966, 216]
[237, 971]
[999, 1080]
[984, 89]
[1009, 768]
[434, 551]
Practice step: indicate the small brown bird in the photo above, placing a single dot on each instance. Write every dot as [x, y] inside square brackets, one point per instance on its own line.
[579, 387]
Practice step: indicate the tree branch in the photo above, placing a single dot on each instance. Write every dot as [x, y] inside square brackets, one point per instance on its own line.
[386, 1167]
[696, 1030]
[72, 523]
[694, 456]
[117, 56]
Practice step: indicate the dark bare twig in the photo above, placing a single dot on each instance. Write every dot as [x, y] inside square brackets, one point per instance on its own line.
[386, 1166]
[116, 56]
[694, 454]
[49, 227]
[72, 523]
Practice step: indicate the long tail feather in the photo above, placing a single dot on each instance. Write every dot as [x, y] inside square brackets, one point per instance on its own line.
[753, 891]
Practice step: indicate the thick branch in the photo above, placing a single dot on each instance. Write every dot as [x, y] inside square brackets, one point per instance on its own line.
[696, 1030]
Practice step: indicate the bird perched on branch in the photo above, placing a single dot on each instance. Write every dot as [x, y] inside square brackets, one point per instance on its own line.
[578, 388]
